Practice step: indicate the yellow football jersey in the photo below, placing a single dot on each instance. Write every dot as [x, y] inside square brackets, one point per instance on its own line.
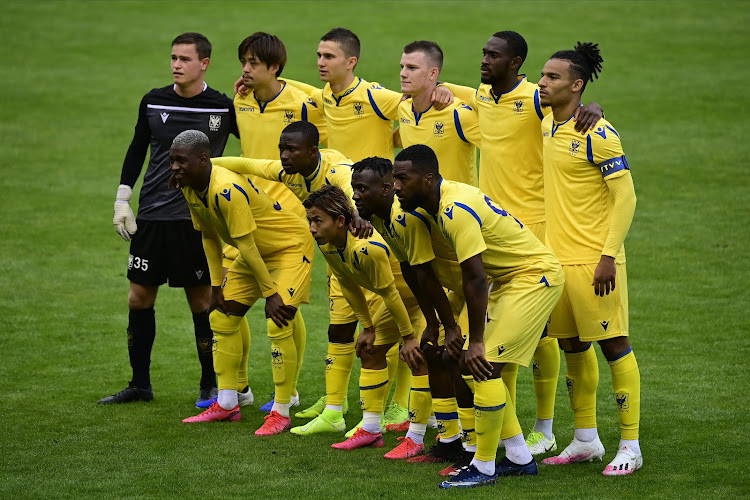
[360, 119]
[234, 207]
[369, 264]
[474, 224]
[576, 170]
[510, 166]
[453, 133]
[261, 123]
[413, 239]
[333, 168]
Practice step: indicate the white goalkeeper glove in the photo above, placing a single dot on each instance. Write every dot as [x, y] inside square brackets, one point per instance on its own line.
[124, 220]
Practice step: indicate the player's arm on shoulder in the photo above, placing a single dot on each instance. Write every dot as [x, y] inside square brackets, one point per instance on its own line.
[384, 101]
[460, 91]
[315, 93]
[587, 116]
[267, 169]
[397, 138]
[466, 120]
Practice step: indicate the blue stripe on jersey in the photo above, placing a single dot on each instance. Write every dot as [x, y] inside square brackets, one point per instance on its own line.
[489, 408]
[446, 416]
[280, 174]
[423, 219]
[338, 99]
[614, 165]
[304, 112]
[243, 192]
[387, 250]
[422, 389]
[457, 122]
[538, 105]
[472, 212]
[375, 106]
[613, 131]
[622, 355]
[589, 149]
[368, 387]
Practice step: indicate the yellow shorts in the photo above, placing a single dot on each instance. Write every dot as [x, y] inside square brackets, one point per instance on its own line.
[228, 254]
[589, 317]
[292, 273]
[386, 330]
[516, 314]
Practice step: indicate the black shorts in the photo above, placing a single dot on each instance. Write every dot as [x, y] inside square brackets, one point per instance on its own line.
[167, 251]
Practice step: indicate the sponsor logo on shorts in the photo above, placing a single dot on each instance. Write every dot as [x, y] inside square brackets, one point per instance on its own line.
[291, 291]
[199, 273]
[500, 350]
[605, 325]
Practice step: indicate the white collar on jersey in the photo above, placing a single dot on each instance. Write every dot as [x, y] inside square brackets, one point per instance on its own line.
[205, 86]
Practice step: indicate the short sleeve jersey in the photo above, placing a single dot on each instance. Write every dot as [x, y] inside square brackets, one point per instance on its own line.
[261, 123]
[360, 119]
[474, 224]
[333, 169]
[452, 133]
[235, 207]
[163, 114]
[510, 167]
[413, 239]
[576, 170]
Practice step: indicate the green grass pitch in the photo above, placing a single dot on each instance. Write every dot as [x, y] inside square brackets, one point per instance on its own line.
[72, 76]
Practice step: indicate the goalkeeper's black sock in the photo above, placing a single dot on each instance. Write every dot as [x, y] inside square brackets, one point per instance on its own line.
[204, 343]
[141, 333]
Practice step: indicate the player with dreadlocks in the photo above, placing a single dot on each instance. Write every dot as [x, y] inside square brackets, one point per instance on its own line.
[590, 202]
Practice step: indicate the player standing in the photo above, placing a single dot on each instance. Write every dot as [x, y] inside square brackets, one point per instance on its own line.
[590, 202]
[165, 248]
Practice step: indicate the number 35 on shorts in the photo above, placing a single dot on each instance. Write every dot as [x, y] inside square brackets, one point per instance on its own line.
[137, 263]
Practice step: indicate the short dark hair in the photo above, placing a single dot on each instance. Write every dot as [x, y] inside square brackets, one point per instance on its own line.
[379, 166]
[516, 43]
[585, 61]
[308, 131]
[346, 38]
[202, 45]
[431, 49]
[268, 48]
[331, 200]
[422, 158]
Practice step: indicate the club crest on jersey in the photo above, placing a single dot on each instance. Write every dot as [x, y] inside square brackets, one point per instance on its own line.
[623, 400]
[288, 116]
[439, 129]
[358, 109]
[575, 146]
[214, 123]
[518, 107]
[164, 117]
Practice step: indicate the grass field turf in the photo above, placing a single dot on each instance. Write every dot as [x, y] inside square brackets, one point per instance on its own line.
[73, 75]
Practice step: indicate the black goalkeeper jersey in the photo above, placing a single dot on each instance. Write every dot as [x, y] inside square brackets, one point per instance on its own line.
[163, 115]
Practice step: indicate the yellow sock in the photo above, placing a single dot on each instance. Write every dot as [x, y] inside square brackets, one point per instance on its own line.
[446, 414]
[339, 362]
[490, 398]
[242, 373]
[510, 426]
[546, 370]
[468, 426]
[509, 374]
[299, 333]
[283, 360]
[227, 348]
[626, 381]
[582, 380]
[420, 401]
[403, 384]
[372, 385]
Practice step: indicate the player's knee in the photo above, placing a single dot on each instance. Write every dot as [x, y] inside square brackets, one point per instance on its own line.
[198, 297]
[276, 332]
[343, 333]
[433, 356]
[614, 348]
[222, 324]
[573, 344]
[141, 297]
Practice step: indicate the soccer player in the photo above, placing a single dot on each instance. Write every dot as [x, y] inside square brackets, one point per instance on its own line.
[367, 263]
[262, 113]
[452, 132]
[164, 246]
[510, 169]
[410, 238]
[590, 202]
[227, 206]
[492, 247]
